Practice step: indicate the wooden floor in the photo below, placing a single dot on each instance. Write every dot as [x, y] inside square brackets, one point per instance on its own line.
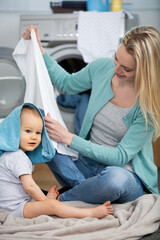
[44, 177]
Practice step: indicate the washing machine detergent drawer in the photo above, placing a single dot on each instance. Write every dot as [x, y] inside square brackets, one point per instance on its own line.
[52, 27]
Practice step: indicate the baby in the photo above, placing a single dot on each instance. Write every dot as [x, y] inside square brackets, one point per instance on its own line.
[20, 195]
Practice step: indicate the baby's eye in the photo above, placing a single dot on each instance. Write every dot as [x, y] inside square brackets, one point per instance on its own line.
[38, 133]
[28, 131]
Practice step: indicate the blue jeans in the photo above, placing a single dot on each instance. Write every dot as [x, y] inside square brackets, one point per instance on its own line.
[93, 182]
[79, 102]
[65, 170]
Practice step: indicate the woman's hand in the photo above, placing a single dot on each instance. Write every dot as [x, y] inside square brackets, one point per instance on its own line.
[57, 132]
[27, 35]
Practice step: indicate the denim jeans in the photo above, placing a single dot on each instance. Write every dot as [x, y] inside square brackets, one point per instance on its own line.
[79, 102]
[65, 170]
[93, 182]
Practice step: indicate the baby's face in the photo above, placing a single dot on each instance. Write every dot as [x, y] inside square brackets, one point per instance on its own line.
[31, 131]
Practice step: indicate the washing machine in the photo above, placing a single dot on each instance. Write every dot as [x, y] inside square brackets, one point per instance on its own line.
[12, 83]
[58, 33]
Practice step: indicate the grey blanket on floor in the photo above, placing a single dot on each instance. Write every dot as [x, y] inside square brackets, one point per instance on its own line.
[130, 221]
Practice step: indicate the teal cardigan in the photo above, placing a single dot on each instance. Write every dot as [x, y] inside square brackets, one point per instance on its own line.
[135, 146]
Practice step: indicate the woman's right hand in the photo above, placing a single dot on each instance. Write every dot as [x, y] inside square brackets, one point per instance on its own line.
[27, 35]
[57, 132]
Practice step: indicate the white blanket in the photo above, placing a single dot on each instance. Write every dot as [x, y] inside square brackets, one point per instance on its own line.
[130, 221]
[99, 34]
[39, 89]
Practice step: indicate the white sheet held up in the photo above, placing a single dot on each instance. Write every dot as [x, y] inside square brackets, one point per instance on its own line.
[98, 34]
[39, 89]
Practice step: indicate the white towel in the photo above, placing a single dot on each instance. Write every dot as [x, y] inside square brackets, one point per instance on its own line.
[39, 89]
[98, 34]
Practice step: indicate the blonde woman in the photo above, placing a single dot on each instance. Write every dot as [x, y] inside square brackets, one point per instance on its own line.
[123, 116]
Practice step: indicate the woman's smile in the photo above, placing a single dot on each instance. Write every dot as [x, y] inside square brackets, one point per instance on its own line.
[120, 76]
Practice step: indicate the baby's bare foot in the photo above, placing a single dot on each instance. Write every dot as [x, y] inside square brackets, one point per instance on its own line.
[102, 210]
[53, 192]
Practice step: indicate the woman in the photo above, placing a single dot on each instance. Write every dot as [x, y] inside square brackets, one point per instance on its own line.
[115, 144]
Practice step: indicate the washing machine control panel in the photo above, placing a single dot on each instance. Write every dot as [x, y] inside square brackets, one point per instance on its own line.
[52, 27]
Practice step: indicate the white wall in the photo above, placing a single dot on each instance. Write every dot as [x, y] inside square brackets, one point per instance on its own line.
[147, 11]
[25, 5]
[10, 11]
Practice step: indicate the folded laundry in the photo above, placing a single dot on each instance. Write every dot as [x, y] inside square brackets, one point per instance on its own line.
[39, 89]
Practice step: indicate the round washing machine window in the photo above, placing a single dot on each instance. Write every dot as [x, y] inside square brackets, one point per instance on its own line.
[12, 84]
[68, 56]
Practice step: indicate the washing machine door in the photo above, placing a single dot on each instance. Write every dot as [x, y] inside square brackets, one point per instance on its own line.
[12, 84]
[68, 56]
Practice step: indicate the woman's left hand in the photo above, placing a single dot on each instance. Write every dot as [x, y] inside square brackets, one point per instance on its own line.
[57, 132]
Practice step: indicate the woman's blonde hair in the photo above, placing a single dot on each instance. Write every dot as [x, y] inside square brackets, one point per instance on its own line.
[143, 43]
